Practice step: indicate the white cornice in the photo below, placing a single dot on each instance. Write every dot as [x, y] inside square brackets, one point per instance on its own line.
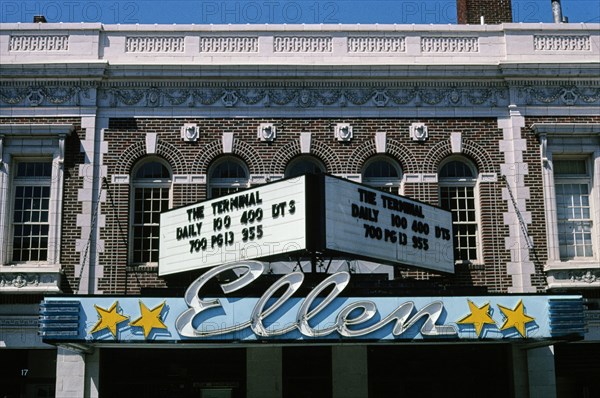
[300, 27]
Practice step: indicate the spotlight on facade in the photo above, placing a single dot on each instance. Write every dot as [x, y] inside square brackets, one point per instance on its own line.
[343, 132]
[190, 132]
[418, 132]
[267, 132]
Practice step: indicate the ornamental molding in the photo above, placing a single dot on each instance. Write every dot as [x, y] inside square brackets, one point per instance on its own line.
[576, 278]
[35, 43]
[29, 282]
[154, 44]
[51, 94]
[445, 44]
[568, 95]
[301, 44]
[376, 44]
[235, 44]
[561, 43]
[304, 97]
[19, 322]
[293, 94]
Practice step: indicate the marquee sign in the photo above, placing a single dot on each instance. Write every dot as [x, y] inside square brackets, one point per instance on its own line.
[308, 214]
[324, 314]
[379, 226]
[262, 222]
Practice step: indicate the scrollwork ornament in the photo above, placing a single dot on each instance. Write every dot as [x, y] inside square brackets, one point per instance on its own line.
[60, 95]
[306, 98]
[359, 96]
[251, 96]
[176, 97]
[402, 96]
[129, 97]
[569, 96]
[455, 96]
[433, 96]
[229, 99]
[19, 281]
[207, 96]
[282, 96]
[589, 95]
[479, 96]
[153, 96]
[328, 97]
[36, 96]
[13, 96]
[566, 95]
[587, 276]
[380, 98]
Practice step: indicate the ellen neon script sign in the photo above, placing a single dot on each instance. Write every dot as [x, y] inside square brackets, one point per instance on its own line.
[354, 320]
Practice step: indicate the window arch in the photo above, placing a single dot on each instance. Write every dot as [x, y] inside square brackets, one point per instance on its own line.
[458, 193]
[304, 165]
[151, 186]
[383, 173]
[227, 175]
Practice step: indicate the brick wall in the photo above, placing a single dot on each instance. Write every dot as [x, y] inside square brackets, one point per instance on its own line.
[493, 11]
[126, 143]
[126, 140]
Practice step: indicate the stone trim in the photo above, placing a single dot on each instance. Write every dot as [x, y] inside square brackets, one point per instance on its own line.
[42, 281]
[470, 149]
[376, 44]
[28, 43]
[561, 42]
[521, 267]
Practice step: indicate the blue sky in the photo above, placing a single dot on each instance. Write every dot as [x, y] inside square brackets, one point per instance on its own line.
[276, 11]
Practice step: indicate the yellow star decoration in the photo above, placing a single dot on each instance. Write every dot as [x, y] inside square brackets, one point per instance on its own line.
[150, 319]
[108, 319]
[479, 317]
[516, 318]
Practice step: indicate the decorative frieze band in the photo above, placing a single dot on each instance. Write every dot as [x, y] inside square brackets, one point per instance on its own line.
[154, 44]
[304, 97]
[39, 43]
[12, 94]
[560, 95]
[381, 44]
[228, 44]
[561, 43]
[50, 95]
[19, 322]
[449, 44]
[29, 281]
[301, 44]
[578, 276]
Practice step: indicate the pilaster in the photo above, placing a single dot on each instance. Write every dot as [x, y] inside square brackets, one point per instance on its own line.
[516, 194]
[91, 195]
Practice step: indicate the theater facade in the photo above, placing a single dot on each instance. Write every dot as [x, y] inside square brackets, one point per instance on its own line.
[299, 211]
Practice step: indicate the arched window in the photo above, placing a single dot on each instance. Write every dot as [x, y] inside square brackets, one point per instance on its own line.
[227, 175]
[383, 173]
[304, 165]
[151, 185]
[457, 184]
